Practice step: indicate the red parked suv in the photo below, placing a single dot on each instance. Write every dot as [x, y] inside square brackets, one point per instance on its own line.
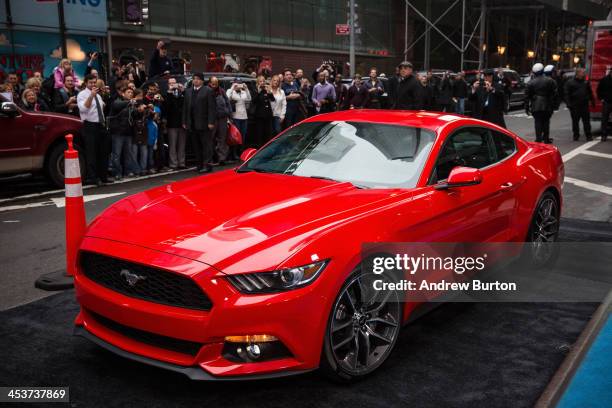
[34, 141]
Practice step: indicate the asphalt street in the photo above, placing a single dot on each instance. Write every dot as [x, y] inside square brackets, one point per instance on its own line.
[32, 216]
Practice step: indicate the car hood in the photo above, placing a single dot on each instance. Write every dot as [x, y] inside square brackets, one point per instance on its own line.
[227, 216]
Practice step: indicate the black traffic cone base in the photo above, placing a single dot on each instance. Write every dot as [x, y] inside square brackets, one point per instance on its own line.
[52, 281]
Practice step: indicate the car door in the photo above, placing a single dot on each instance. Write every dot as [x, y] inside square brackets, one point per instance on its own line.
[475, 213]
[16, 142]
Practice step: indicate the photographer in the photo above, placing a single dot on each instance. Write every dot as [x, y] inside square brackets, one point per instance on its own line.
[122, 113]
[94, 136]
[240, 96]
[263, 114]
[488, 100]
[139, 146]
[325, 66]
[323, 95]
[173, 113]
[160, 63]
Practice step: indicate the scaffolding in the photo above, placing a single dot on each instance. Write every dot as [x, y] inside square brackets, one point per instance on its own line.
[551, 30]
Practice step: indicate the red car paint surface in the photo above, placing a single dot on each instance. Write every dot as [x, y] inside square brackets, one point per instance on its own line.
[231, 223]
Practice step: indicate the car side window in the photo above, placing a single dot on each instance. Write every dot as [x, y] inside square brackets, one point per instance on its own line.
[504, 145]
[468, 147]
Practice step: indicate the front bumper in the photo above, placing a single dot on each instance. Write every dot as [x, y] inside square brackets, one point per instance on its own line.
[294, 317]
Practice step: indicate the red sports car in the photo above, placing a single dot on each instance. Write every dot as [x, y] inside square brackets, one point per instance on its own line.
[255, 272]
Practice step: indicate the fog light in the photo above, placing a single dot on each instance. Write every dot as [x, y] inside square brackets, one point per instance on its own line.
[253, 351]
[253, 348]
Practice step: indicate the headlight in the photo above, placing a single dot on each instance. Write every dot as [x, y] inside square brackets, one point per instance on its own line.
[277, 281]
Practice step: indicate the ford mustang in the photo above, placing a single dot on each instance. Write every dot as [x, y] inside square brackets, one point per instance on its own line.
[257, 271]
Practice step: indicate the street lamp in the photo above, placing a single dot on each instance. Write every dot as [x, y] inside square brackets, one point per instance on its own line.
[576, 60]
[484, 47]
[530, 53]
[556, 57]
[501, 49]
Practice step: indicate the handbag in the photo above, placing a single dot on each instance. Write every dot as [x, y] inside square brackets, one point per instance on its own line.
[234, 137]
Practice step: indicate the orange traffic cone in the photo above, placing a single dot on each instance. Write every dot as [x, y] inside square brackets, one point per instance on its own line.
[75, 222]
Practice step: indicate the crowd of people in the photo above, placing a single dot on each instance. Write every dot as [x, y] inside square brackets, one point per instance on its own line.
[131, 127]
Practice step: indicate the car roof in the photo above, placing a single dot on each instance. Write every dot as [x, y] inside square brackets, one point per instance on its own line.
[421, 119]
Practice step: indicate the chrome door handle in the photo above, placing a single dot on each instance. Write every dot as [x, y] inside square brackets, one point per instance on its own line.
[506, 186]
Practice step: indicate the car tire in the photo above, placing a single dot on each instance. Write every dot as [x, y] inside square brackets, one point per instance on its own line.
[541, 250]
[370, 321]
[54, 166]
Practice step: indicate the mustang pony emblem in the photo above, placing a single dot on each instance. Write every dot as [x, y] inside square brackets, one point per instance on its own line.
[131, 278]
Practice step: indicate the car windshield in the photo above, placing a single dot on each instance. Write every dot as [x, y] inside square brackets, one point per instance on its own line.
[368, 155]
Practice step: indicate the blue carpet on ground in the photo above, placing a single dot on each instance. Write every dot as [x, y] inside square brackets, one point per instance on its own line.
[591, 385]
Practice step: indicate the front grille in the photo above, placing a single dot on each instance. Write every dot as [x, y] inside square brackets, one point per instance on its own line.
[148, 283]
[157, 340]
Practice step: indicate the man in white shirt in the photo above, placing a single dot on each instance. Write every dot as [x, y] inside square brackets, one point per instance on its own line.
[91, 110]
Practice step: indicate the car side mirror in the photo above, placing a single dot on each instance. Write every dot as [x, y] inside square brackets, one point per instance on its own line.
[247, 154]
[461, 177]
[9, 109]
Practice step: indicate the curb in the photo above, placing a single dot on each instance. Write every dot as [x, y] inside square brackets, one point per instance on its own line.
[554, 390]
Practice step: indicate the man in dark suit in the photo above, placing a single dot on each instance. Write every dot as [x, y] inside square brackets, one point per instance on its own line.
[199, 117]
[406, 88]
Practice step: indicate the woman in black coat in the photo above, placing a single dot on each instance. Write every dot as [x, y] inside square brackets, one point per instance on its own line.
[262, 112]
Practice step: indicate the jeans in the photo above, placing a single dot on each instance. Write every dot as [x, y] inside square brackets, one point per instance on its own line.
[460, 107]
[140, 153]
[177, 138]
[276, 125]
[122, 158]
[151, 156]
[242, 125]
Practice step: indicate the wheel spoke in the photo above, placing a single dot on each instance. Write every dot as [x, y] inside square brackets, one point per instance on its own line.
[391, 323]
[345, 341]
[356, 352]
[378, 336]
[367, 348]
[382, 303]
[350, 299]
[341, 326]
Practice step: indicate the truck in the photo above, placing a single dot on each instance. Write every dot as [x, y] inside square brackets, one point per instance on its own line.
[598, 58]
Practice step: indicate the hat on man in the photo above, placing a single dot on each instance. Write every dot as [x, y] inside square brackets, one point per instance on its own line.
[537, 68]
[405, 64]
[549, 69]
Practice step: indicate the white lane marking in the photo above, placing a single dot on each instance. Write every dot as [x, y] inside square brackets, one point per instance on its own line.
[580, 149]
[24, 206]
[127, 180]
[518, 115]
[598, 154]
[61, 201]
[11, 221]
[590, 186]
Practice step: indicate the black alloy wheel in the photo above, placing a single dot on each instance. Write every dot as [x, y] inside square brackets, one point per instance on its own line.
[363, 328]
[544, 231]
